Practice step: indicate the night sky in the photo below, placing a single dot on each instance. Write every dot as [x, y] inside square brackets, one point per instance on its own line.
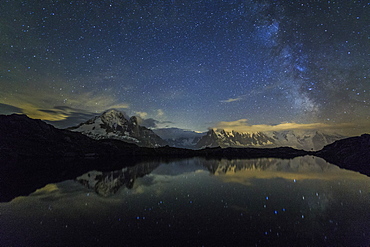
[241, 65]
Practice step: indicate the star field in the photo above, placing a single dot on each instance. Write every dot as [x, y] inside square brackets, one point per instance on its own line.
[189, 64]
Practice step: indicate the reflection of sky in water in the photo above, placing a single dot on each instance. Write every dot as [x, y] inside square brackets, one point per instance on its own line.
[304, 201]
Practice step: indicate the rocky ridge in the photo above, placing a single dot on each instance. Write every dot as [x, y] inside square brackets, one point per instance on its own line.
[308, 140]
[351, 153]
[113, 124]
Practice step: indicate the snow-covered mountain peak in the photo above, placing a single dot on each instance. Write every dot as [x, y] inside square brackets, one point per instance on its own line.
[112, 112]
[113, 124]
[113, 117]
[225, 133]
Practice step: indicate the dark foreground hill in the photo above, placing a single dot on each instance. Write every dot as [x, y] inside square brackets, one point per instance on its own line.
[25, 137]
[351, 153]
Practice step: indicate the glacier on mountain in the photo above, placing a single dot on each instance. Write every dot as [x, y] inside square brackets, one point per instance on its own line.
[298, 139]
[113, 124]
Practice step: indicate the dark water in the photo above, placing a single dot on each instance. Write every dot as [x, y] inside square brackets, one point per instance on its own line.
[195, 202]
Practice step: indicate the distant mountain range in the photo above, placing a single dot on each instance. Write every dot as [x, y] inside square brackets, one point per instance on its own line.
[298, 139]
[113, 124]
[179, 138]
[22, 136]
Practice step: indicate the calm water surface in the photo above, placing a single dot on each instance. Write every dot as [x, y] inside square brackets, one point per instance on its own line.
[193, 202]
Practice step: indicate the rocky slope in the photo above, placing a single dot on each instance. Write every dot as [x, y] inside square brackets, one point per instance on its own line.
[350, 153]
[112, 124]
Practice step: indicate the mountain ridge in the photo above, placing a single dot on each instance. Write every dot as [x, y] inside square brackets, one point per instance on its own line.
[309, 140]
[112, 124]
[351, 153]
[26, 137]
[31, 146]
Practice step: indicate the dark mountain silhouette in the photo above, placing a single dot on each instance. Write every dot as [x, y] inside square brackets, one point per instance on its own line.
[22, 136]
[351, 153]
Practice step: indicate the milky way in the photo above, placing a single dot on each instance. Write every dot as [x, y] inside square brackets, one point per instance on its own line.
[188, 64]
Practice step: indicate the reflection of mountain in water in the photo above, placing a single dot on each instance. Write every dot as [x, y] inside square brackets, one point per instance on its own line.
[308, 167]
[108, 183]
[296, 165]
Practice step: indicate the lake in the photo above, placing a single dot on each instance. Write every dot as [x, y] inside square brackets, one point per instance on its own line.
[304, 201]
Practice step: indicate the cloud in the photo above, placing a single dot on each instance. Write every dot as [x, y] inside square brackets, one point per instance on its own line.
[141, 114]
[152, 123]
[94, 101]
[251, 93]
[74, 116]
[242, 125]
[9, 109]
[42, 95]
[231, 100]
[34, 111]
[160, 113]
[51, 106]
[119, 106]
[149, 123]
